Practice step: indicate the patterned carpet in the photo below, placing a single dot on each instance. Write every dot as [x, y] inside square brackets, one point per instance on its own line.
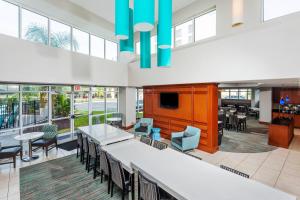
[63, 178]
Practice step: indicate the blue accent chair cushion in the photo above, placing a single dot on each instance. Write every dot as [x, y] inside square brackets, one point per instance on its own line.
[186, 140]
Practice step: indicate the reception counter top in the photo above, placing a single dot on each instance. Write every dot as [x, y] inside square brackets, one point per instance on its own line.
[281, 132]
[294, 116]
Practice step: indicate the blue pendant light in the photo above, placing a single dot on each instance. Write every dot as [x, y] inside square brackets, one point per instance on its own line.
[145, 49]
[122, 19]
[163, 57]
[164, 40]
[144, 15]
[127, 46]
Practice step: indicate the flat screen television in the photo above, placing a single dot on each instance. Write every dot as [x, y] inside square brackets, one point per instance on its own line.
[169, 100]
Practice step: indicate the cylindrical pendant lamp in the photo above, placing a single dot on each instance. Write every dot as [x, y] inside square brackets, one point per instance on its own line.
[122, 19]
[164, 57]
[145, 49]
[144, 15]
[165, 24]
[127, 46]
[237, 12]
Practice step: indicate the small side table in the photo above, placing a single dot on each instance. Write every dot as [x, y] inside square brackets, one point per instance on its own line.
[29, 137]
[156, 134]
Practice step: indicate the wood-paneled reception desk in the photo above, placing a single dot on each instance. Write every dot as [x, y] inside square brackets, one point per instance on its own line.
[281, 132]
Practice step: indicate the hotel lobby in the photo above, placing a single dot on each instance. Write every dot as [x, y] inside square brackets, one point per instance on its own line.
[149, 99]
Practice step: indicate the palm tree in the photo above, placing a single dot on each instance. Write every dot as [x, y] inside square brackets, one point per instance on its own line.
[38, 33]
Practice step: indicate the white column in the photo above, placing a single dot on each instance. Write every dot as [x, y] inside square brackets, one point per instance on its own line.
[127, 103]
[265, 105]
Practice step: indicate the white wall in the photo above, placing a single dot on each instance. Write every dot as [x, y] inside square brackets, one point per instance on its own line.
[270, 51]
[265, 105]
[28, 62]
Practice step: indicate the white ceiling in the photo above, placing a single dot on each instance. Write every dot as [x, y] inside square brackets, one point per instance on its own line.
[106, 8]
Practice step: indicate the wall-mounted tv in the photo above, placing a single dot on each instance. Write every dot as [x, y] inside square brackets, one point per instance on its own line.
[169, 100]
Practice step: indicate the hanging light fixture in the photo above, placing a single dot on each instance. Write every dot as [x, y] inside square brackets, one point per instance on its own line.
[127, 46]
[121, 19]
[144, 15]
[145, 38]
[165, 24]
[237, 12]
[163, 57]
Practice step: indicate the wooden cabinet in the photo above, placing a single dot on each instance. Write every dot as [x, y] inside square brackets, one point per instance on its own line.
[281, 135]
[198, 106]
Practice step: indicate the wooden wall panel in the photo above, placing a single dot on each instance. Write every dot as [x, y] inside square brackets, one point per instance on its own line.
[198, 106]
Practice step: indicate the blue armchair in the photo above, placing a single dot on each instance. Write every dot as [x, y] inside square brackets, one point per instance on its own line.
[139, 130]
[186, 140]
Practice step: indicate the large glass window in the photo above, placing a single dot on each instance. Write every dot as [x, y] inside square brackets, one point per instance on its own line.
[111, 50]
[60, 35]
[9, 110]
[138, 48]
[205, 26]
[34, 27]
[35, 105]
[98, 105]
[97, 46]
[153, 44]
[81, 106]
[112, 96]
[80, 42]
[9, 19]
[184, 33]
[139, 103]
[241, 94]
[278, 8]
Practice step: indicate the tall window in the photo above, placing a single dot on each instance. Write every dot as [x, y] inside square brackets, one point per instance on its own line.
[97, 46]
[82, 41]
[111, 50]
[9, 19]
[278, 8]
[34, 27]
[112, 96]
[205, 26]
[153, 44]
[98, 105]
[60, 35]
[35, 105]
[139, 103]
[184, 33]
[138, 48]
[241, 94]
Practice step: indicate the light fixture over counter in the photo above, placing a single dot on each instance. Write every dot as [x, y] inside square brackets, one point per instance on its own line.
[237, 12]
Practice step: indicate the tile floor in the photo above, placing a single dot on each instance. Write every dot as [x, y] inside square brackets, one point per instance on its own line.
[279, 168]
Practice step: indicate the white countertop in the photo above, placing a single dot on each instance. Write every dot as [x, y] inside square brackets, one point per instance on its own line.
[105, 134]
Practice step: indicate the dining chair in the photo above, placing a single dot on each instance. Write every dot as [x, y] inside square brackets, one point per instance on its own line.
[85, 151]
[146, 140]
[159, 145]
[104, 167]
[93, 158]
[79, 146]
[118, 178]
[234, 171]
[148, 190]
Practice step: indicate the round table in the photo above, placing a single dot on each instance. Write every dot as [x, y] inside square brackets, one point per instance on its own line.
[29, 137]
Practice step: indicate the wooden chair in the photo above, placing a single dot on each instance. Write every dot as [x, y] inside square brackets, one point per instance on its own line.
[49, 139]
[160, 145]
[11, 152]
